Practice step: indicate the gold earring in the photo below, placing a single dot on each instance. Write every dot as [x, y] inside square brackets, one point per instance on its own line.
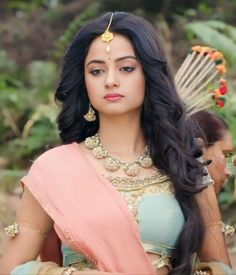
[90, 115]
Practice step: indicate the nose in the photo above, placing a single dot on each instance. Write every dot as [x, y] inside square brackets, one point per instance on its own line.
[111, 79]
[227, 173]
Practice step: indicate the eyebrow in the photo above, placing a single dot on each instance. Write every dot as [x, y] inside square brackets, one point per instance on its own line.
[228, 151]
[98, 61]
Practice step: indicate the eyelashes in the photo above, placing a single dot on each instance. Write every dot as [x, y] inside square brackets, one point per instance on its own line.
[96, 72]
[125, 69]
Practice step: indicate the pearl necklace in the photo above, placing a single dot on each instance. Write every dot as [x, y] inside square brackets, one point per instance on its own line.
[112, 164]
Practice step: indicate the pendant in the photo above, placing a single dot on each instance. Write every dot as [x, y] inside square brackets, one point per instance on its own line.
[99, 152]
[108, 49]
[132, 169]
[145, 161]
[111, 164]
[91, 142]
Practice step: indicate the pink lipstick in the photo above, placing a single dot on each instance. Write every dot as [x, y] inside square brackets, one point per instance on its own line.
[113, 97]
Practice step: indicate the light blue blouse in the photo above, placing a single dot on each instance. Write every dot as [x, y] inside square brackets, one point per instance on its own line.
[160, 219]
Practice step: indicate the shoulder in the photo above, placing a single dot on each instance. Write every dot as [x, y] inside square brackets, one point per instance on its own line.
[58, 157]
[55, 163]
[59, 150]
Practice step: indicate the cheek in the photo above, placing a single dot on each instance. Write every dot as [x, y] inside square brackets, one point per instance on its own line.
[141, 82]
[139, 88]
[216, 168]
[220, 162]
[92, 89]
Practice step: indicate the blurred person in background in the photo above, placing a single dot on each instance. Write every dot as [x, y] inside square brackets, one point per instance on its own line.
[213, 133]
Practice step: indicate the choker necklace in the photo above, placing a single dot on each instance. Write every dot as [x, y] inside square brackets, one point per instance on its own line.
[112, 164]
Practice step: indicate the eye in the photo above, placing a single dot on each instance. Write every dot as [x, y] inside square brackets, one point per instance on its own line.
[127, 69]
[228, 156]
[96, 72]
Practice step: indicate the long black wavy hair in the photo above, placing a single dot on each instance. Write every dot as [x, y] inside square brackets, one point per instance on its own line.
[163, 119]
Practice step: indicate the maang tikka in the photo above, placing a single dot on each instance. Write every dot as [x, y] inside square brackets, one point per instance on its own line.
[90, 115]
[107, 36]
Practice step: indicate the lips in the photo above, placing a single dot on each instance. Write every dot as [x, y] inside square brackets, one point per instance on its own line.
[113, 96]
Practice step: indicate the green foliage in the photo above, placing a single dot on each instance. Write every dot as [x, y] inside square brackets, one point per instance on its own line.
[42, 74]
[228, 113]
[10, 180]
[78, 22]
[216, 34]
[226, 198]
[27, 110]
[29, 6]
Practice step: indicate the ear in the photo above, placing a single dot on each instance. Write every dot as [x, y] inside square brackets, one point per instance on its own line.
[200, 141]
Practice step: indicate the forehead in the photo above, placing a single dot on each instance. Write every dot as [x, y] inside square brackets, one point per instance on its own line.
[120, 46]
[226, 143]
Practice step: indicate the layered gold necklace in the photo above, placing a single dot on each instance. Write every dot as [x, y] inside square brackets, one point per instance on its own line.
[112, 164]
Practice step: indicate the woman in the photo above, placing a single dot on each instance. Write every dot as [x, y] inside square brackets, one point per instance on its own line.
[218, 146]
[120, 191]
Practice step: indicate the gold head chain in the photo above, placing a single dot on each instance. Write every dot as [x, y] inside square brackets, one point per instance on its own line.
[107, 36]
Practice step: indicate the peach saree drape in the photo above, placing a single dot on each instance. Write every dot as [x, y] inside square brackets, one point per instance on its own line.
[90, 215]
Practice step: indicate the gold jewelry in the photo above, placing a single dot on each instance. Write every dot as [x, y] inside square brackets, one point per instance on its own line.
[200, 272]
[111, 164]
[12, 230]
[69, 270]
[107, 36]
[225, 228]
[162, 261]
[213, 223]
[90, 115]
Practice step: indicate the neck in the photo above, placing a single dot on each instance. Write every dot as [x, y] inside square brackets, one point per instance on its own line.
[122, 136]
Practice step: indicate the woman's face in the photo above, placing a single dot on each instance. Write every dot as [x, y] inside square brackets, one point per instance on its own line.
[218, 153]
[115, 81]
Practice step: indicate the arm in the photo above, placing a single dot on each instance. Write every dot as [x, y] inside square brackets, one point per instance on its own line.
[22, 251]
[26, 245]
[213, 247]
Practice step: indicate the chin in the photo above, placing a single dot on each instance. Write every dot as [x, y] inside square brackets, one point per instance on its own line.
[113, 111]
[222, 186]
[222, 190]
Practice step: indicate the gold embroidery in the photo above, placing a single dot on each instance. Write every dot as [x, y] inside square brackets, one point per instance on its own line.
[134, 196]
[69, 270]
[129, 184]
[84, 264]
